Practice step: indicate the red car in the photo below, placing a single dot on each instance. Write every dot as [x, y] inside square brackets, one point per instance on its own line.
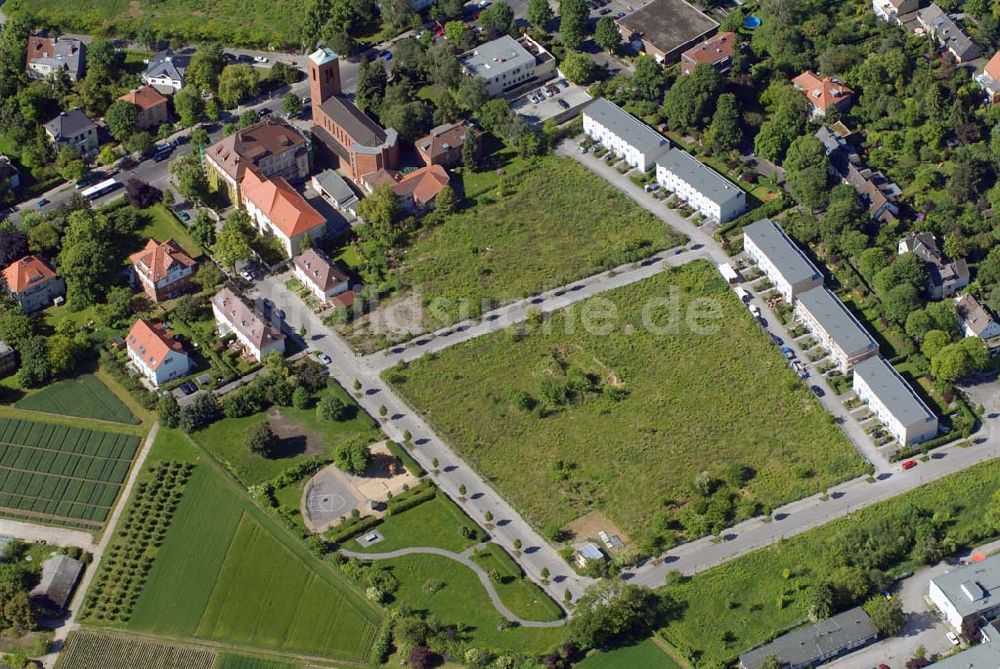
[909, 464]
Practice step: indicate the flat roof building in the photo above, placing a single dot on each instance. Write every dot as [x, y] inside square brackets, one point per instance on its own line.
[781, 260]
[894, 401]
[812, 645]
[968, 592]
[984, 655]
[835, 326]
[507, 63]
[623, 134]
[665, 29]
[701, 187]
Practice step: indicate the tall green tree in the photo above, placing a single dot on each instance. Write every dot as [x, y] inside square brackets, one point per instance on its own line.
[690, 102]
[121, 118]
[233, 242]
[189, 177]
[578, 68]
[539, 13]
[236, 83]
[189, 105]
[606, 34]
[88, 260]
[807, 171]
[205, 67]
[572, 22]
[372, 82]
[725, 133]
[499, 17]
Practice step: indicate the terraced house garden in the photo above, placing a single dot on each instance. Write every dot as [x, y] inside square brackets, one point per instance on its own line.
[670, 435]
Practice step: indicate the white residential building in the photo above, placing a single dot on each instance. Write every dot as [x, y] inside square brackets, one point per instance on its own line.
[836, 328]
[970, 591]
[701, 187]
[894, 402]
[781, 260]
[623, 134]
[320, 276]
[234, 315]
[974, 319]
[505, 64]
[157, 355]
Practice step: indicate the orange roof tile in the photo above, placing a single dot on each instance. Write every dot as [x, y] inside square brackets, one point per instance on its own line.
[282, 204]
[151, 343]
[156, 259]
[993, 67]
[27, 272]
[712, 50]
[423, 184]
[146, 97]
[821, 93]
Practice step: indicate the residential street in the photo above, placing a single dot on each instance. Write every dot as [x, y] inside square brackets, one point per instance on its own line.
[346, 367]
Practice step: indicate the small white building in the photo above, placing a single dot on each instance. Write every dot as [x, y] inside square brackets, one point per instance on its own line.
[974, 320]
[836, 328]
[969, 591]
[891, 10]
[894, 402]
[701, 187]
[623, 134]
[319, 275]
[781, 260]
[234, 315]
[157, 355]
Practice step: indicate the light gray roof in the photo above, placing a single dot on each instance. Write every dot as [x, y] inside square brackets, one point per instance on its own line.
[629, 128]
[54, 52]
[493, 58]
[804, 645]
[837, 320]
[700, 176]
[947, 32]
[782, 251]
[69, 124]
[590, 552]
[168, 64]
[980, 656]
[981, 579]
[5, 350]
[60, 574]
[893, 391]
[335, 186]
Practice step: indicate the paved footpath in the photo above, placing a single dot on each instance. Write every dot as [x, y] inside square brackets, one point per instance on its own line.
[461, 558]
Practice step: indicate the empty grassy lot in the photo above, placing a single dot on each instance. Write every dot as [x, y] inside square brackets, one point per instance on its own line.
[436, 523]
[309, 436]
[86, 650]
[83, 396]
[740, 596]
[228, 573]
[625, 419]
[61, 474]
[542, 225]
[520, 595]
[463, 601]
[645, 655]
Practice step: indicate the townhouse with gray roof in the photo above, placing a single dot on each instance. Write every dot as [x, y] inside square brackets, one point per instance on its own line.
[813, 645]
[893, 401]
[73, 129]
[165, 71]
[780, 258]
[836, 328]
[623, 134]
[948, 34]
[708, 192]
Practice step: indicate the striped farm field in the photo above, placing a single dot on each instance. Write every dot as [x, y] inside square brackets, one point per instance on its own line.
[85, 650]
[83, 397]
[226, 574]
[227, 661]
[61, 474]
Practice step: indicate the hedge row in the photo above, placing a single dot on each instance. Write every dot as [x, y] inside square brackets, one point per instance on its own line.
[424, 492]
[409, 462]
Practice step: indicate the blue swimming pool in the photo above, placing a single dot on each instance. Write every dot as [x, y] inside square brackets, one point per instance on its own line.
[751, 22]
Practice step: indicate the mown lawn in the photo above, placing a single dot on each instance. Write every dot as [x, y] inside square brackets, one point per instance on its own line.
[230, 661]
[436, 523]
[161, 225]
[645, 655]
[520, 595]
[226, 439]
[83, 396]
[540, 225]
[227, 572]
[625, 419]
[463, 601]
[741, 597]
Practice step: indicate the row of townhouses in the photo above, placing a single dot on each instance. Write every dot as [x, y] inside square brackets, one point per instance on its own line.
[641, 147]
[797, 279]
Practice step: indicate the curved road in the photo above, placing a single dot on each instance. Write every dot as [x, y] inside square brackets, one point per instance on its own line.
[462, 558]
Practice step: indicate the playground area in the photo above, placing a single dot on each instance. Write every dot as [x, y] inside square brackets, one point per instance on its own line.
[331, 495]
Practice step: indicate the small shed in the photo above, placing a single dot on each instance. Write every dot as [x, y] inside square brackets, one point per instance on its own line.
[587, 553]
[60, 574]
[729, 274]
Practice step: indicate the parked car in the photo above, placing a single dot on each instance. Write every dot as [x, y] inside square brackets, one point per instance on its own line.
[243, 58]
[260, 59]
[42, 202]
[324, 358]
[952, 638]
[787, 352]
[817, 391]
[129, 164]
[909, 464]
[183, 216]
[188, 388]
[582, 149]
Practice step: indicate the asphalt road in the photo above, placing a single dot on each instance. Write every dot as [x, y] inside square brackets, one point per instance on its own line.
[536, 553]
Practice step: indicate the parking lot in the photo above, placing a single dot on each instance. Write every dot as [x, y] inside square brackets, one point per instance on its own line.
[556, 99]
